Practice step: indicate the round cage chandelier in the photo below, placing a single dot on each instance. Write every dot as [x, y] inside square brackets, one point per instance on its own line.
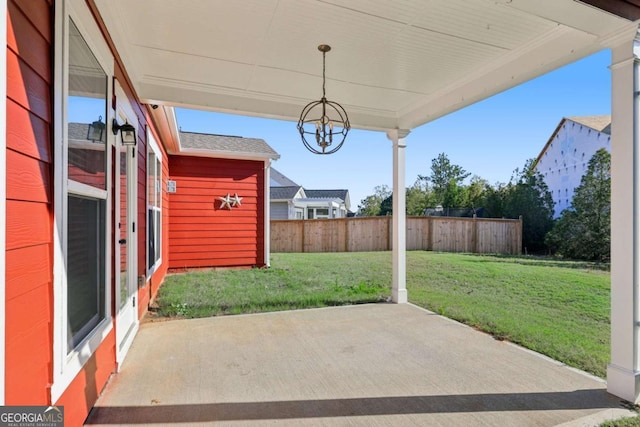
[324, 122]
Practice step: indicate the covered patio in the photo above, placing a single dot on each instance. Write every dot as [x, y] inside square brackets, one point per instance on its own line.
[394, 66]
[368, 365]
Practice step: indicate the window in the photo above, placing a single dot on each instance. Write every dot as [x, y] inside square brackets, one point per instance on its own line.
[83, 67]
[86, 194]
[154, 205]
[317, 213]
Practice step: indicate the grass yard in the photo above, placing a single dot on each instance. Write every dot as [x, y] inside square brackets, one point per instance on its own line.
[558, 308]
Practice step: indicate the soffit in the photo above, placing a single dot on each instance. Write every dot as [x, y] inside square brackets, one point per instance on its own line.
[393, 65]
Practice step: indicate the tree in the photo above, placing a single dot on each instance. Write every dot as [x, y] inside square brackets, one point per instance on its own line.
[494, 200]
[584, 230]
[530, 198]
[386, 207]
[446, 181]
[417, 198]
[477, 192]
[370, 206]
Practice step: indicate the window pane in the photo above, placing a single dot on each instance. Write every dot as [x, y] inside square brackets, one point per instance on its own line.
[154, 212]
[151, 185]
[85, 267]
[87, 107]
[158, 186]
[158, 222]
[151, 250]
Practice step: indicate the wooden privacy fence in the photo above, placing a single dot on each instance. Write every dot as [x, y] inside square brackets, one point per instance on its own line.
[446, 234]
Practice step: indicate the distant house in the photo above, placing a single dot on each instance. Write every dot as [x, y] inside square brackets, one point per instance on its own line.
[290, 200]
[565, 157]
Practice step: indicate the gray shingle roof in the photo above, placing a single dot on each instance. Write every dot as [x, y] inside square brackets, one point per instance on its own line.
[283, 193]
[324, 194]
[228, 144]
[78, 131]
[282, 180]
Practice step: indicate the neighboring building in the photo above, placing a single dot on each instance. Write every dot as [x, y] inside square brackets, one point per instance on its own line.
[291, 201]
[94, 224]
[565, 157]
[205, 230]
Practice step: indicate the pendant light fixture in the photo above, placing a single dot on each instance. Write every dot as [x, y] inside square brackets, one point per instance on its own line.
[323, 124]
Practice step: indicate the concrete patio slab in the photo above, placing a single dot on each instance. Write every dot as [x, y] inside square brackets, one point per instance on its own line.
[382, 364]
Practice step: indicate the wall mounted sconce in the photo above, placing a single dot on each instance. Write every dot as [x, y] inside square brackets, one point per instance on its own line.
[127, 132]
[95, 132]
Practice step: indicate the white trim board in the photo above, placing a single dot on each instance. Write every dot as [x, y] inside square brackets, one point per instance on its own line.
[3, 190]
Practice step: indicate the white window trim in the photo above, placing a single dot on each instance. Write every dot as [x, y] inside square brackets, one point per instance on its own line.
[3, 190]
[152, 146]
[67, 365]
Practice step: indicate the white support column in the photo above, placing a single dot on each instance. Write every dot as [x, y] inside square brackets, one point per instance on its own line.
[623, 375]
[267, 213]
[399, 249]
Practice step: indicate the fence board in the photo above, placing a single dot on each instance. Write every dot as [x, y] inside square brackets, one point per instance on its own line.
[325, 236]
[446, 234]
[368, 234]
[418, 234]
[287, 236]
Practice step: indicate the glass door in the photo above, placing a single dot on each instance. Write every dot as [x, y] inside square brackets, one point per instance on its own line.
[126, 318]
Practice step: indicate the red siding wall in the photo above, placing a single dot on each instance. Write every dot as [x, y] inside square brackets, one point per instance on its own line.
[30, 221]
[29, 216]
[201, 234]
[83, 392]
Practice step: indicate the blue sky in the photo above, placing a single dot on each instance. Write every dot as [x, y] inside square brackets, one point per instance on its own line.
[489, 139]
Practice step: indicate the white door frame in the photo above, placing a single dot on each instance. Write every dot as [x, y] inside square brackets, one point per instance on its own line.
[126, 323]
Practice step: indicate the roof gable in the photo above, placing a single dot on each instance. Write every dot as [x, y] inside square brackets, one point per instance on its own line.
[601, 123]
[285, 193]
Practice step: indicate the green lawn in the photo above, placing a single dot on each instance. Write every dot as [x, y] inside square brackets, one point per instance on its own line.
[558, 308]
[623, 422]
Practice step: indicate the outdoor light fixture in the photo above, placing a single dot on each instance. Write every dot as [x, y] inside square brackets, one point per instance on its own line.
[324, 121]
[127, 132]
[95, 132]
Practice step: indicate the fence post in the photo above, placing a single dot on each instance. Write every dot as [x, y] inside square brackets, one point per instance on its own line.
[304, 227]
[389, 233]
[474, 234]
[519, 238]
[345, 221]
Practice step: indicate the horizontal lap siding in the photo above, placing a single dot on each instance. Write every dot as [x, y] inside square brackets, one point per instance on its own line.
[29, 211]
[201, 233]
[83, 392]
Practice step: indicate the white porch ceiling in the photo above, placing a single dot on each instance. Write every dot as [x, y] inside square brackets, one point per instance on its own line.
[394, 64]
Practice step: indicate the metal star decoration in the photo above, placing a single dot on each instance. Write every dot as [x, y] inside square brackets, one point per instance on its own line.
[226, 202]
[235, 201]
